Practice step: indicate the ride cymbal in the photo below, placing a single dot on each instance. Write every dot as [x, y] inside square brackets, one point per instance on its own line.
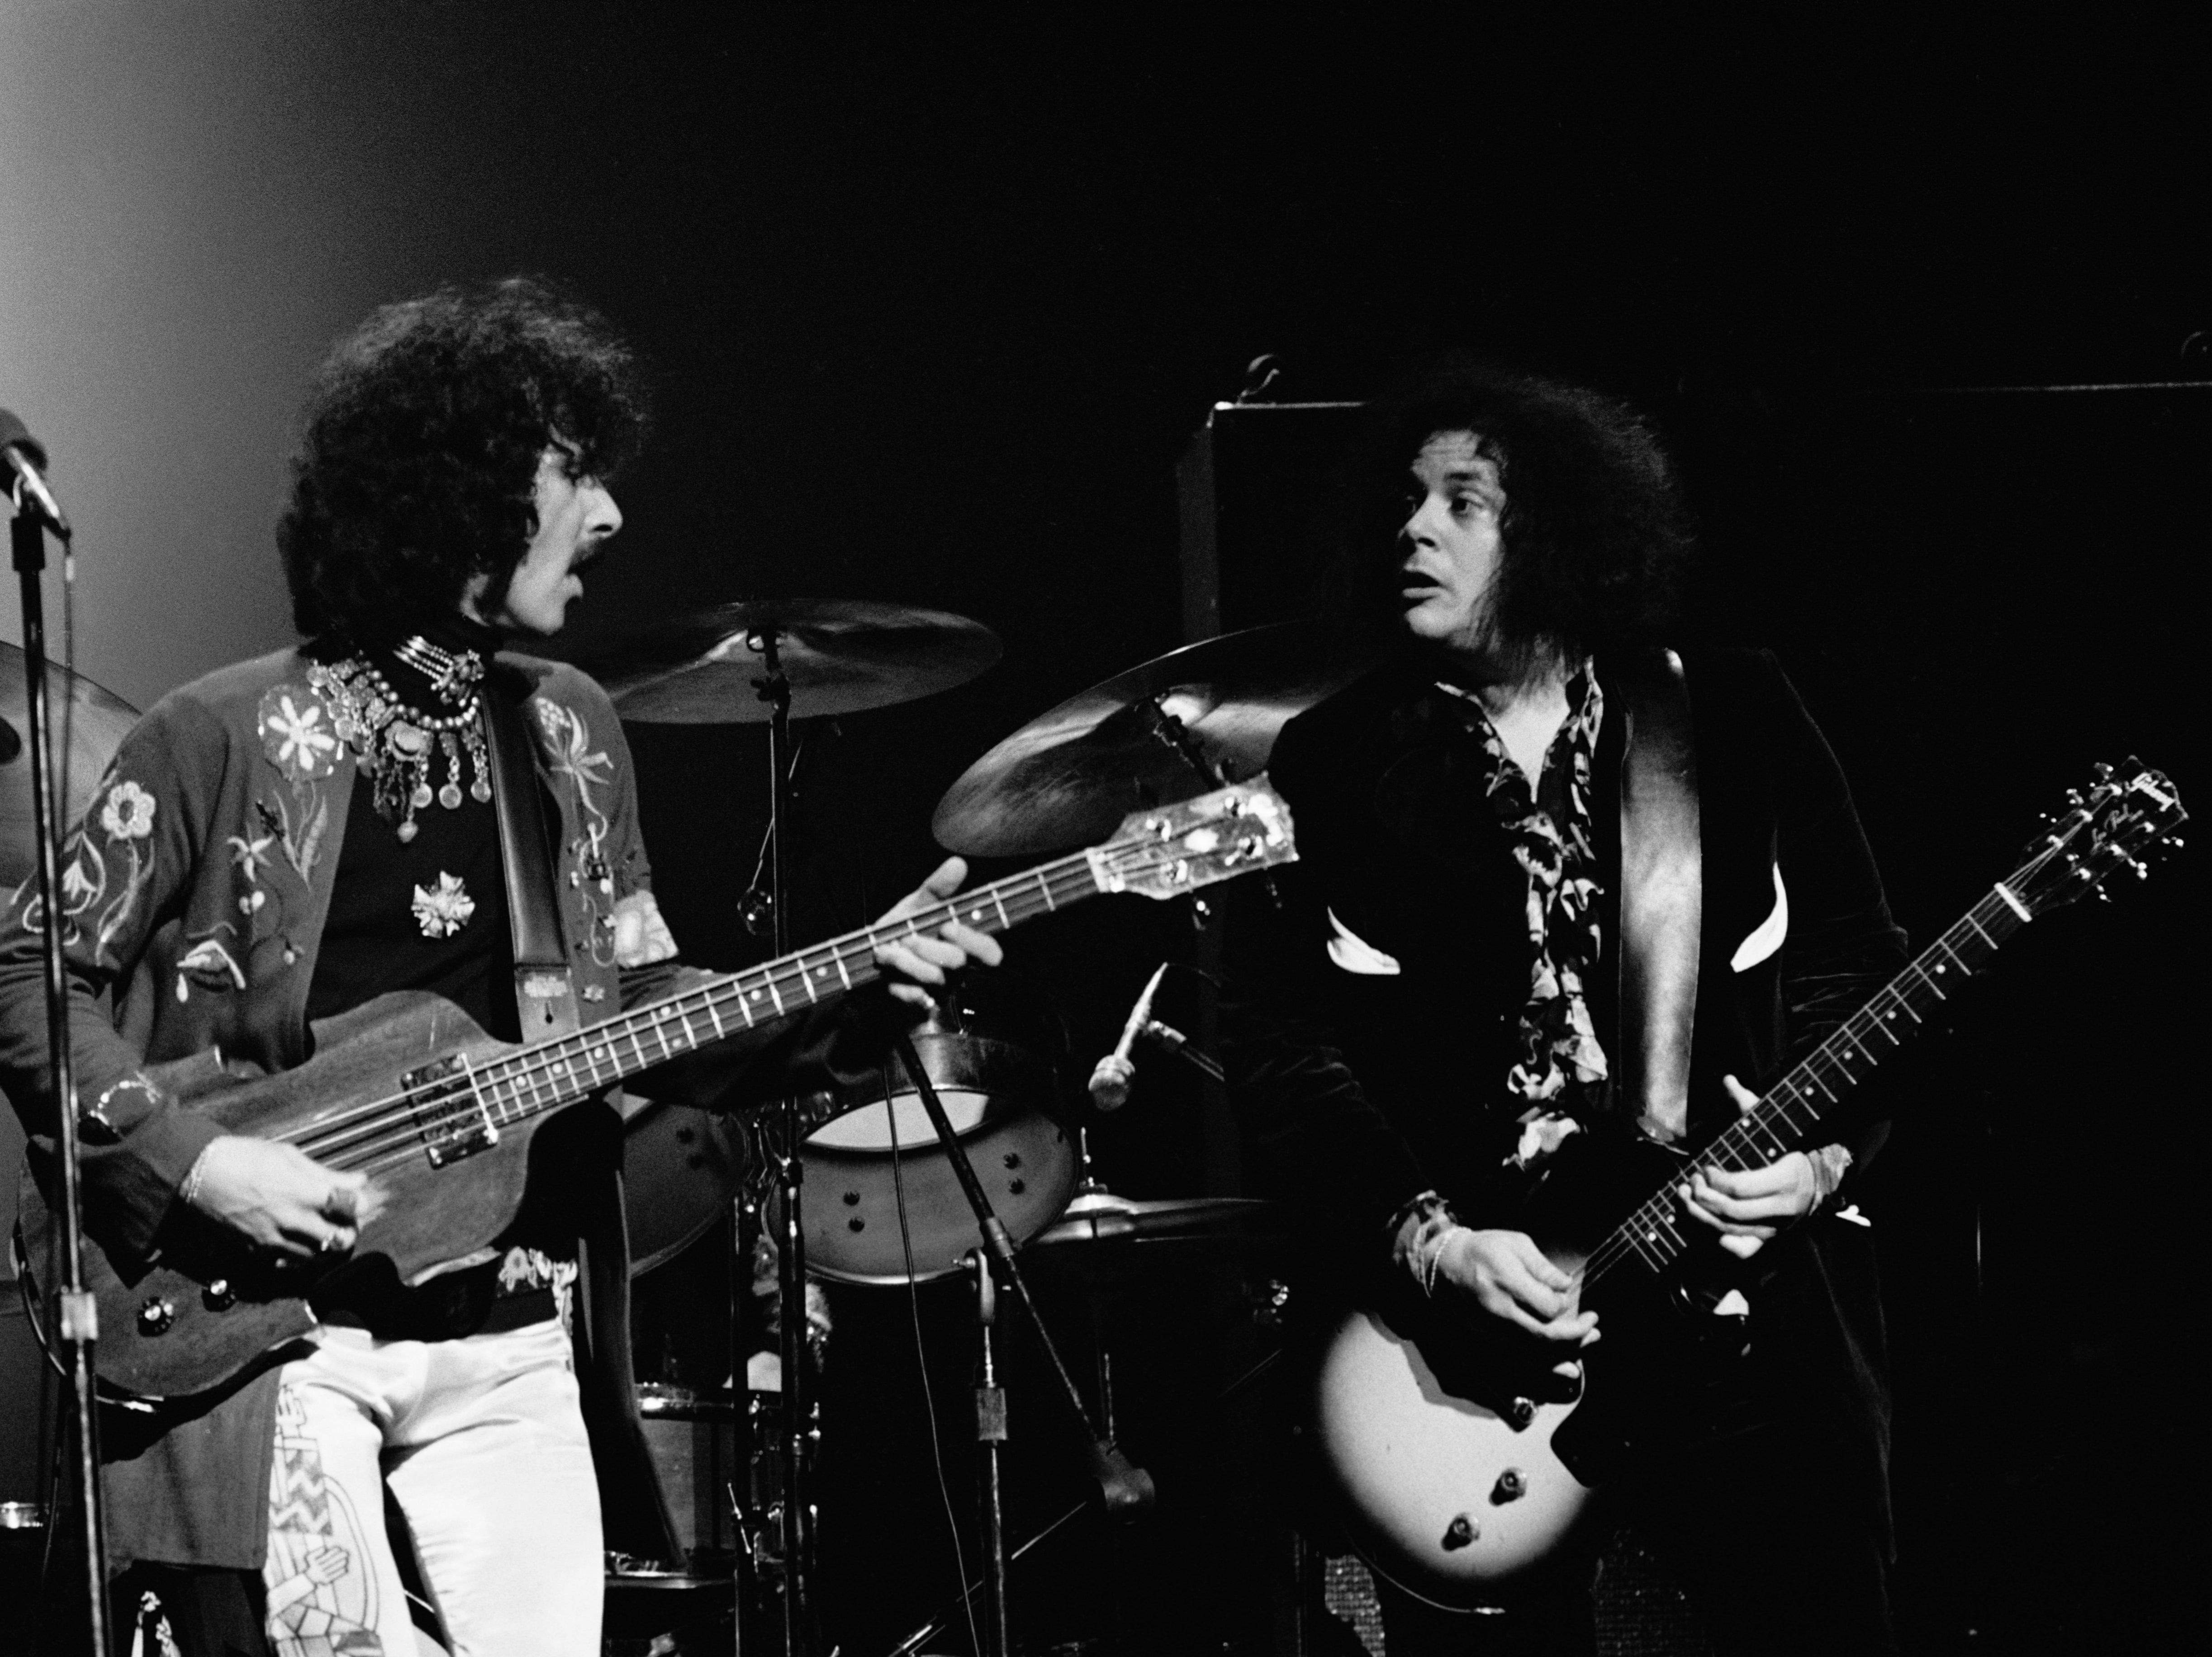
[839, 656]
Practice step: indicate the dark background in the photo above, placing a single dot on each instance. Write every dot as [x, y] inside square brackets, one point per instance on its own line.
[936, 297]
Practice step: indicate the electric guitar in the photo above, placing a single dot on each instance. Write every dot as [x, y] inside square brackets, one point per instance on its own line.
[410, 1091]
[1455, 1466]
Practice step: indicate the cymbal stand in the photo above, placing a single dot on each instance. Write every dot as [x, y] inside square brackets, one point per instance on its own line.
[1172, 733]
[797, 1528]
[1126, 1489]
[79, 1323]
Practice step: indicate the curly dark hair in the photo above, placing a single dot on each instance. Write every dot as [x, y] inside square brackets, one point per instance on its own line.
[424, 432]
[1596, 540]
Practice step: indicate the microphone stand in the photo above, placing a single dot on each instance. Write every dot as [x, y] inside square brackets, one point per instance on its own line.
[1126, 1489]
[78, 1318]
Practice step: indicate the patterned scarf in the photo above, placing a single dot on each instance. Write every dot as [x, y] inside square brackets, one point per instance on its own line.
[1561, 1060]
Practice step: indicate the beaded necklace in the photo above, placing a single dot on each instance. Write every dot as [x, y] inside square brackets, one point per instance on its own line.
[395, 742]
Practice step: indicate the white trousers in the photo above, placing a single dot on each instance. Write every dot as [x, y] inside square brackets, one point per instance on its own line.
[483, 1442]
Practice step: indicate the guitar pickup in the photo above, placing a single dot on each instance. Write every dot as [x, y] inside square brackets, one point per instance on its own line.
[454, 1121]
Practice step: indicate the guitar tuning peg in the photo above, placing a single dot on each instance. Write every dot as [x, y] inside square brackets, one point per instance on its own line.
[2102, 771]
[2103, 896]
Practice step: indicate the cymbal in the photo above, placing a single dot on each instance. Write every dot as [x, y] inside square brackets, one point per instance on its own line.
[1100, 1216]
[88, 724]
[1068, 778]
[840, 655]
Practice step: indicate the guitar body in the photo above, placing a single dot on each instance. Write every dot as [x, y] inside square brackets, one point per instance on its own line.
[1460, 1459]
[209, 1305]
[1438, 1492]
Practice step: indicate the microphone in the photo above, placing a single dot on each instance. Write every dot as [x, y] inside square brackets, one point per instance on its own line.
[1110, 1082]
[26, 458]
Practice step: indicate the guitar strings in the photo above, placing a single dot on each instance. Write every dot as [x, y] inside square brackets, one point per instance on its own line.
[507, 1072]
[388, 1132]
[1735, 1148]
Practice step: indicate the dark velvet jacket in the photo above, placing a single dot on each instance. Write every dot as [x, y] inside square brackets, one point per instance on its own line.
[1361, 1088]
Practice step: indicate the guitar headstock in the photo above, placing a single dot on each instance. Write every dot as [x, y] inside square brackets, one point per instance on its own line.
[1174, 849]
[2106, 827]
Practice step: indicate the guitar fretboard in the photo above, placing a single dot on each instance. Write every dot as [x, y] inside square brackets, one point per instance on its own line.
[559, 1073]
[1784, 1119]
[448, 1108]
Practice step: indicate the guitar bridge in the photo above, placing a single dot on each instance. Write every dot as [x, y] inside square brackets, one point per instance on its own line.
[452, 1116]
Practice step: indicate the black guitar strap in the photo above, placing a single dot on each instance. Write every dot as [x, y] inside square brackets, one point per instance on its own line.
[1661, 892]
[545, 989]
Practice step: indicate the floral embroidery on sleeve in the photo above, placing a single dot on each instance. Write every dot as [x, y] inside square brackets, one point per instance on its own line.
[90, 893]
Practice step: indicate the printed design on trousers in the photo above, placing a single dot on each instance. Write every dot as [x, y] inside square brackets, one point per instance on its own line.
[321, 1585]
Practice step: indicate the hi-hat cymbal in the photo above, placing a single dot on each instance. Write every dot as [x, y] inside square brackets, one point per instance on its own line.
[841, 656]
[1068, 778]
[88, 724]
[1100, 1216]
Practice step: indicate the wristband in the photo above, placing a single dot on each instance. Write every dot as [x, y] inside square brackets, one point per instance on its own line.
[95, 1124]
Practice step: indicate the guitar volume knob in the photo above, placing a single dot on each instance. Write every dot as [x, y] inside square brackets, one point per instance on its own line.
[219, 1296]
[1512, 1486]
[156, 1314]
[1461, 1533]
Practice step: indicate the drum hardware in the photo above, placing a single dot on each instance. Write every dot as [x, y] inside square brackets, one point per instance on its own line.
[954, 1609]
[771, 661]
[1126, 1489]
[1163, 732]
[796, 1510]
[861, 1145]
[834, 655]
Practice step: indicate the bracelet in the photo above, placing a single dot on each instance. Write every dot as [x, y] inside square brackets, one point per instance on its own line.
[1435, 1260]
[92, 1119]
[1418, 1230]
[189, 1191]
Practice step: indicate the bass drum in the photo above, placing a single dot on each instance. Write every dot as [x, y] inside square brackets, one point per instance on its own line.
[874, 1146]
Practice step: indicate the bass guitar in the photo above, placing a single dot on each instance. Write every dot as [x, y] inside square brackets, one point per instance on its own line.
[1446, 1460]
[409, 1090]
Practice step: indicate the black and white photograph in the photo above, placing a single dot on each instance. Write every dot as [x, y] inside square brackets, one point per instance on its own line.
[1598, 596]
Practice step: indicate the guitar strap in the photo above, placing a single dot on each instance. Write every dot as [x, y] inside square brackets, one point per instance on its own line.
[1661, 892]
[545, 987]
